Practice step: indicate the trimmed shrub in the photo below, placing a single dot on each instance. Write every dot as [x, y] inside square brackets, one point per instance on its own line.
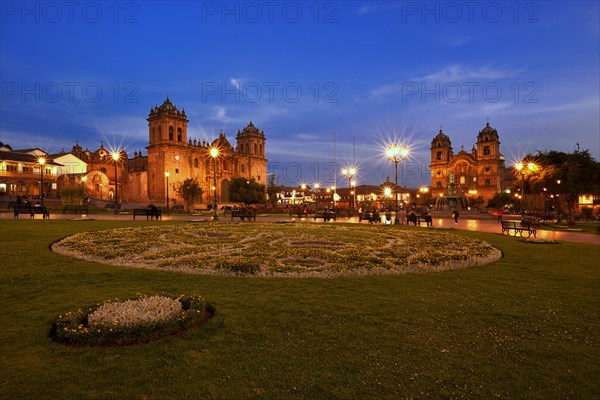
[131, 321]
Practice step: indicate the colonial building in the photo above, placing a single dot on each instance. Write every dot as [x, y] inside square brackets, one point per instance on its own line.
[172, 158]
[171, 151]
[22, 172]
[479, 172]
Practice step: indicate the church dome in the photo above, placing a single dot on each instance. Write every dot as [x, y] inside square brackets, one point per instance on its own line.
[487, 132]
[221, 142]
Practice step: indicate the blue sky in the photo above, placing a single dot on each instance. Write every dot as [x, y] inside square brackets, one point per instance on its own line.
[372, 72]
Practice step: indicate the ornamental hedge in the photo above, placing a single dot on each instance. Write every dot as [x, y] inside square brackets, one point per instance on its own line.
[135, 320]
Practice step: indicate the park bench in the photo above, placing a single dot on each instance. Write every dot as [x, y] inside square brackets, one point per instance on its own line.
[242, 214]
[148, 212]
[177, 207]
[75, 208]
[299, 212]
[519, 227]
[31, 210]
[369, 216]
[325, 215]
[419, 219]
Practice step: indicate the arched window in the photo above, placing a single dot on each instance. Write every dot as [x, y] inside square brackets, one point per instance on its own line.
[255, 148]
[159, 133]
[486, 150]
[261, 150]
[247, 149]
[487, 183]
[439, 155]
[439, 185]
[196, 162]
[179, 134]
[462, 180]
[170, 133]
[153, 135]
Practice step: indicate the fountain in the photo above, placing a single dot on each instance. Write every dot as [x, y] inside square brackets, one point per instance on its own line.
[451, 200]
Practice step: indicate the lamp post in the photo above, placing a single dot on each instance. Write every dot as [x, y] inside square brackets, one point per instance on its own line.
[83, 181]
[214, 153]
[316, 188]
[100, 191]
[353, 192]
[520, 166]
[167, 177]
[394, 153]
[42, 162]
[115, 156]
[349, 173]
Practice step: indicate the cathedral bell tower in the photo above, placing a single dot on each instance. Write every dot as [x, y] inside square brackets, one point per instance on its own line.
[488, 143]
[167, 132]
[251, 151]
[441, 154]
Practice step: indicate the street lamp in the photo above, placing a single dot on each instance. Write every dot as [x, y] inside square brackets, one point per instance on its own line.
[115, 156]
[42, 162]
[167, 177]
[349, 173]
[394, 153]
[520, 166]
[214, 153]
[316, 188]
[83, 181]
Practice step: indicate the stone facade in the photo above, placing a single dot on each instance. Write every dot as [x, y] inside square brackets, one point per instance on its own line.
[480, 172]
[142, 179]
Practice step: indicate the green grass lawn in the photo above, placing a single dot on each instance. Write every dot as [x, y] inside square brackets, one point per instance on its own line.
[524, 327]
[579, 227]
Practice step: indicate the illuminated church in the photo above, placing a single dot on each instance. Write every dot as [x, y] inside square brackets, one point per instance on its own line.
[143, 179]
[480, 172]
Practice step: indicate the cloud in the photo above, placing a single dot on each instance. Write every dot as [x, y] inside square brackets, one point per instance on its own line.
[457, 72]
[363, 10]
[236, 83]
[454, 73]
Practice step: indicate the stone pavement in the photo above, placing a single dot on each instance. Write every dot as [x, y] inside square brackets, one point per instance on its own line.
[472, 223]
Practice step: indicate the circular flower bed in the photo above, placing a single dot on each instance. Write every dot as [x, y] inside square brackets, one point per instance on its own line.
[279, 249]
[131, 321]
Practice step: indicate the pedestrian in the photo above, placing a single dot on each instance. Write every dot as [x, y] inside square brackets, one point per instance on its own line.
[455, 216]
[500, 214]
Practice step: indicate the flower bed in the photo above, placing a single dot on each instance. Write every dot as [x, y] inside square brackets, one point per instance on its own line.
[131, 321]
[279, 249]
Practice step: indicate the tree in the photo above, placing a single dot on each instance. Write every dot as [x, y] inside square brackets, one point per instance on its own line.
[190, 191]
[246, 191]
[72, 194]
[501, 200]
[272, 190]
[565, 177]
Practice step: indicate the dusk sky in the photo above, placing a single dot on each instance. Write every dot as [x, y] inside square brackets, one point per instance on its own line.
[372, 72]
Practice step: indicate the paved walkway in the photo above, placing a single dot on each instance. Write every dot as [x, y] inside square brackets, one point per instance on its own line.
[472, 224]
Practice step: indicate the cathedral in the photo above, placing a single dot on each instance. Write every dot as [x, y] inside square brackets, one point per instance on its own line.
[480, 172]
[173, 158]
